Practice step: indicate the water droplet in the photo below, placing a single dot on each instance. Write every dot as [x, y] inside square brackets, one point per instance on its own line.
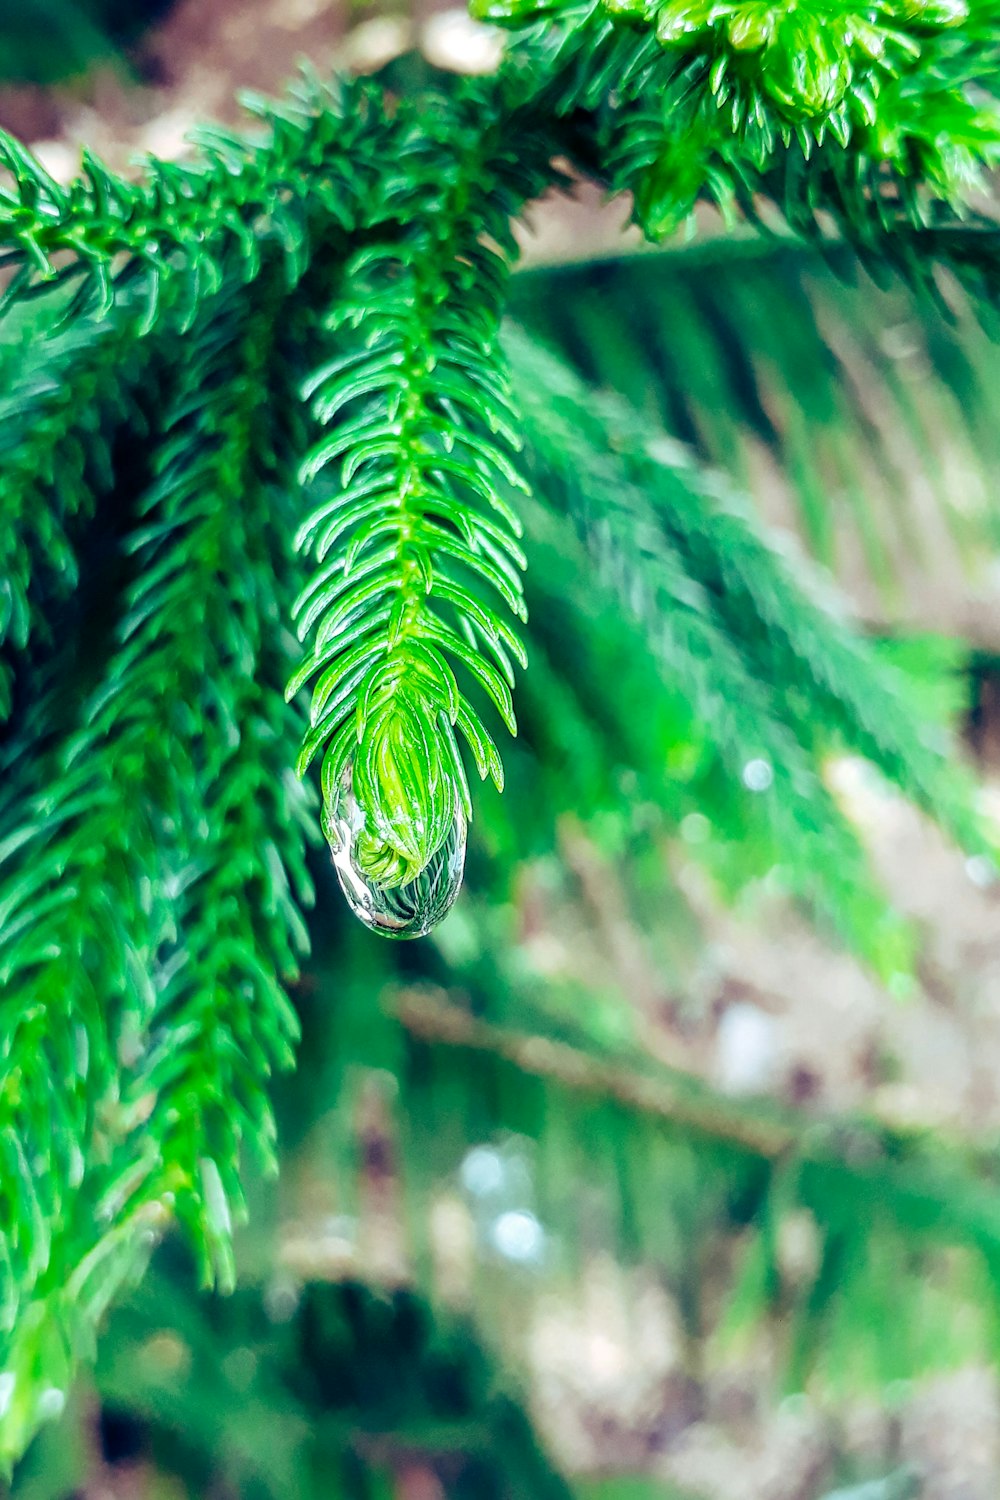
[746, 1049]
[981, 871]
[518, 1236]
[482, 1171]
[758, 775]
[51, 1403]
[696, 829]
[407, 910]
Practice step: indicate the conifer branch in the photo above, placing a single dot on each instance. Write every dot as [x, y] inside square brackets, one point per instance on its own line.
[677, 1169]
[151, 971]
[788, 619]
[776, 677]
[71, 390]
[934, 1190]
[884, 120]
[418, 526]
[152, 870]
[323, 151]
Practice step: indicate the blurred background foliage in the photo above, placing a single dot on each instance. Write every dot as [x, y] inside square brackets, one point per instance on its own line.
[625, 1185]
[47, 40]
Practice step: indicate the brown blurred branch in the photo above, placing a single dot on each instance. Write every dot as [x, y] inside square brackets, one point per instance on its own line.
[947, 1189]
[433, 1019]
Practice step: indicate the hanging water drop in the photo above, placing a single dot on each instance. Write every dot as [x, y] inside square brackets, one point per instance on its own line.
[404, 909]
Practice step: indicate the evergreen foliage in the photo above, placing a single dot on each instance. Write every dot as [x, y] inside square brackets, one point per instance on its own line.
[275, 385]
[330, 1401]
[772, 667]
[423, 430]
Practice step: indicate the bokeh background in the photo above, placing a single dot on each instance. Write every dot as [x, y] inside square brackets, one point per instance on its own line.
[592, 1240]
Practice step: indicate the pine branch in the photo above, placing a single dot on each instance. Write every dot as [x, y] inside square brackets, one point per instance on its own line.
[748, 708]
[417, 529]
[782, 363]
[201, 224]
[69, 394]
[790, 626]
[679, 1100]
[222, 1022]
[165, 880]
[150, 891]
[883, 120]
[679, 1168]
